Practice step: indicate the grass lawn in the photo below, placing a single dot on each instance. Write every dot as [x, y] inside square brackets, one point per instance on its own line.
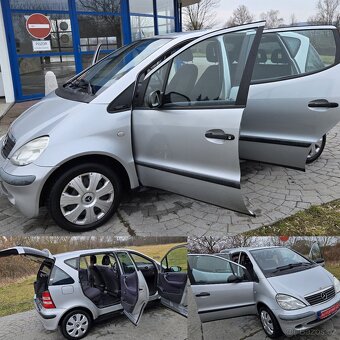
[334, 268]
[323, 220]
[17, 296]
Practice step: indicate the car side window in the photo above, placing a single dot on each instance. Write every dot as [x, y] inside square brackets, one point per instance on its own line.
[126, 263]
[212, 270]
[59, 277]
[294, 53]
[201, 75]
[176, 260]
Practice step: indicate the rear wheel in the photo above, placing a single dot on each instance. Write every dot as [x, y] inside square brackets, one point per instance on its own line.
[85, 197]
[269, 323]
[316, 150]
[76, 324]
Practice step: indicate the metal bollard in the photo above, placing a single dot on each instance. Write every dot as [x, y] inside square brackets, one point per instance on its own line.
[51, 83]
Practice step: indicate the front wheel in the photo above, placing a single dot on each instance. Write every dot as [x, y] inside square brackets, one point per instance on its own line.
[85, 197]
[76, 324]
[316, 150]
[269, 323]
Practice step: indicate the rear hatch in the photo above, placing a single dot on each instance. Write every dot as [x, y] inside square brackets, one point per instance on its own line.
[42, 256]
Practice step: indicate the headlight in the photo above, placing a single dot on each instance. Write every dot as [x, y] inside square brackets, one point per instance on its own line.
[288, 302]
[29, 152]
[336, 285]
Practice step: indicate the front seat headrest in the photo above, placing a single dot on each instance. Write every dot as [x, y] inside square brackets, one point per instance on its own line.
[187, 55]
[106, 260]
[212, 52]
[278, 57]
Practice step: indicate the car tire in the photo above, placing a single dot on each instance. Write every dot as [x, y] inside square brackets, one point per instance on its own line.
[269, 323]
[84, 197]
[316, 150]
[76, 324]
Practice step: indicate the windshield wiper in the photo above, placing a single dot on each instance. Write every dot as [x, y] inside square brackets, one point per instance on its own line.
[82, 84]
[290, 266]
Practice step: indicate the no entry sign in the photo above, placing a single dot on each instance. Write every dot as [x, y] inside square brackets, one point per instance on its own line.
[38, 26]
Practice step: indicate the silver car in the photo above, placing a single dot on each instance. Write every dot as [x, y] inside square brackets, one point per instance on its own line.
[289, 292]
[75, 289]
[174, 112]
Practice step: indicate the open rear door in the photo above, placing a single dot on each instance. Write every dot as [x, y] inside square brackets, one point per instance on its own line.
[187, 114]
[172, 280]
[31, 253]
[134, 289]
[294, 95]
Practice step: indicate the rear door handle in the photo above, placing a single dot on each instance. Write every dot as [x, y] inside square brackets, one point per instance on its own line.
[219, 134]
[322, 103]
[202, 294]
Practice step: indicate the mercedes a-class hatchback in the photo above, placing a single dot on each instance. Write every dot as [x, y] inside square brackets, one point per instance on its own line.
[174, 112]
[289, 292]
[75, 289]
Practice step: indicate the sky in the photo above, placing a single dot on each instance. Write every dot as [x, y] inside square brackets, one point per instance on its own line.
[303, 9]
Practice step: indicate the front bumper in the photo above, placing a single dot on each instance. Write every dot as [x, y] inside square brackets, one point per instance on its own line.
[49, 317]
[22, 185]
[295, 322]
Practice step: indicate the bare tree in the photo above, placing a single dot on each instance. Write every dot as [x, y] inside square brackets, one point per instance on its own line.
[272, 18]
[200, 15]
[293, 20]
[241, 15]
[327, 11]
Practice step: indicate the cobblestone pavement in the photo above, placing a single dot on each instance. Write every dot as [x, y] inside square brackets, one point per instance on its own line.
[271, 192]
[156, 323]
[249, 327]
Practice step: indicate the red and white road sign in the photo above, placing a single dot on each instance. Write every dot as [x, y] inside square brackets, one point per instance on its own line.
[38, 26]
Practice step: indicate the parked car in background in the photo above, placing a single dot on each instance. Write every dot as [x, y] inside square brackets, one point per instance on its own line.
[174, 112]
[75, 289]
[289, 292]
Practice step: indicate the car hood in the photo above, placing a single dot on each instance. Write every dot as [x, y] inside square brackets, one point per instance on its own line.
[302, 283]
[42, 117]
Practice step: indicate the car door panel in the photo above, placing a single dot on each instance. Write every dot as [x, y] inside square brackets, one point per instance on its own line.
[193, 150]
[134, 289]
[172, 284]
[216, 298]
[282, 120]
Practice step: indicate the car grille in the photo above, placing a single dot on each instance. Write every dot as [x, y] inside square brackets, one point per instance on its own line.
[321, 297]
[7, 145]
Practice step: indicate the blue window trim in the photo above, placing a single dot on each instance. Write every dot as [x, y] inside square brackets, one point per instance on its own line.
[47, 54]
[110, 14]
[32, 11]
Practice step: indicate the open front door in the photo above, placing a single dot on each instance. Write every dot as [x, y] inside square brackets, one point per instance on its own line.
[134, 289]
[187, 115]
[31, 253]
[294, 96]
[172, 280]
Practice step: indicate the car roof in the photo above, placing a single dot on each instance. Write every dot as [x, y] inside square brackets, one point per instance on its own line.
[77, 253]
[232, 250]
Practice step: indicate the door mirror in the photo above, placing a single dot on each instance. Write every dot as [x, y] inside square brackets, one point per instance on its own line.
[175, 269]
[320, 261]
[233, 279]
[96, 54]
[155, 99]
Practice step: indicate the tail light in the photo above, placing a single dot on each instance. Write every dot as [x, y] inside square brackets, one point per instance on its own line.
[47, 301]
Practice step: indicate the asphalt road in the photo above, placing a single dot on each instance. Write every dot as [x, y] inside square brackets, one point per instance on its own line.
[249, 328]
[157, 322]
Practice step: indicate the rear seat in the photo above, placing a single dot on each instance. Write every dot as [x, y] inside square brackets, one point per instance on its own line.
[91, 292]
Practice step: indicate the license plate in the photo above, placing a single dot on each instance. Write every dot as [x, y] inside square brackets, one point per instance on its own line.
[329, 311]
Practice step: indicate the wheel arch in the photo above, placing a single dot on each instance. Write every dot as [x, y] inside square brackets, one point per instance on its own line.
[103, 159]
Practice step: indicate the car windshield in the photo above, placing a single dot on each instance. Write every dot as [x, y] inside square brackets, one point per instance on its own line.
[279, 261]
[111, 68]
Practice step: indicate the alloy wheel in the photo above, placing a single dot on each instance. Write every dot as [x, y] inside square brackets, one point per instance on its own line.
[315, 148]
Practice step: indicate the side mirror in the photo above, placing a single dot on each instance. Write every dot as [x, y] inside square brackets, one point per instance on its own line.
[176, 269]
[233, 279]
[155, 99]
[320, 261]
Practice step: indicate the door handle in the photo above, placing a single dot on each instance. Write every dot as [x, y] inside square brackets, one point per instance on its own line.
[202, 294]
[320, 103]
[219, 134]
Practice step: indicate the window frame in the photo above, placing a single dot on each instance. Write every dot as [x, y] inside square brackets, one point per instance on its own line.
[336, 35]
[245, 82]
